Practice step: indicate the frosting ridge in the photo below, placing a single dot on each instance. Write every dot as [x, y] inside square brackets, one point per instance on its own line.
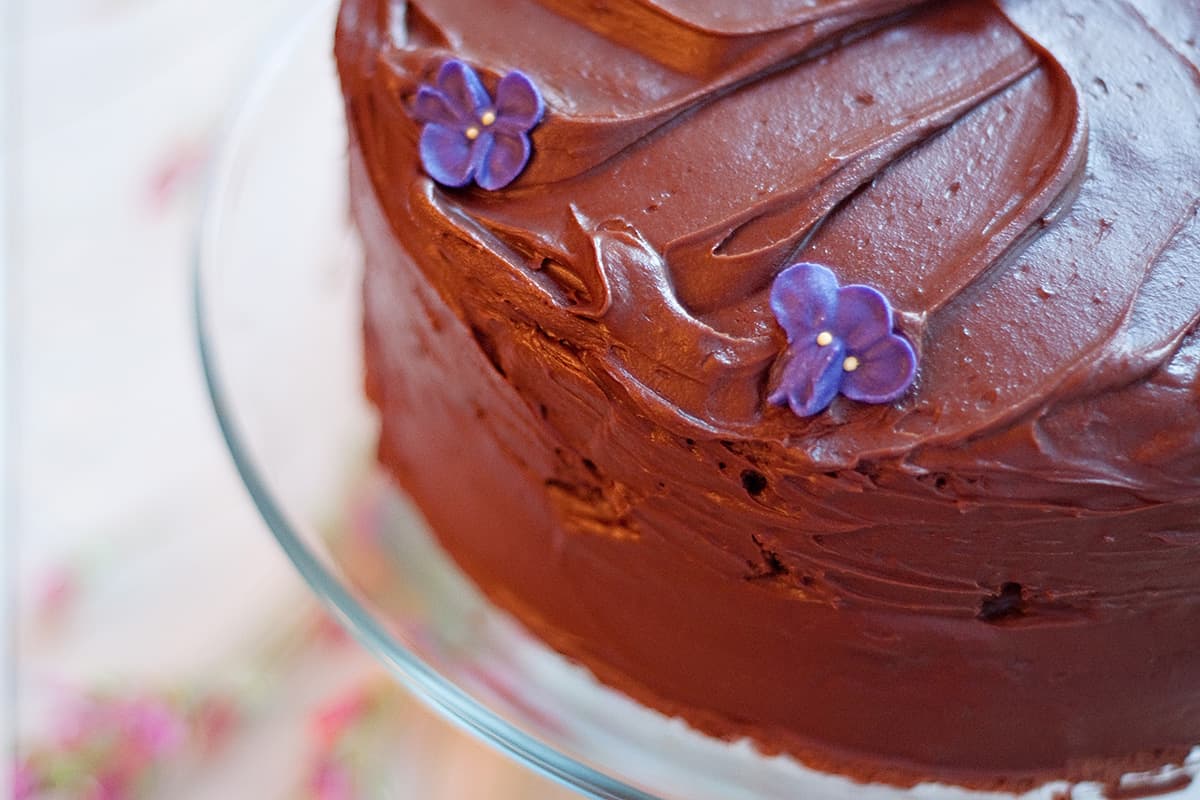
[1019, 178]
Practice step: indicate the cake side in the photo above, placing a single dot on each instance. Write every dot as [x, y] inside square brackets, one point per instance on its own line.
[991, 581]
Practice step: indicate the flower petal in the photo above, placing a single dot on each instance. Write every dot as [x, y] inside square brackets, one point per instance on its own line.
[519, 104]
[863, 317]
[504, 160]
[448, 156]
[462, 88]
[432, 105]
[811, 377]
[804, 298]
[886, 370]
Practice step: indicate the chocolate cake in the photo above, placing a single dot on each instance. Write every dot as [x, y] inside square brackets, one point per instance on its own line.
[823, 372]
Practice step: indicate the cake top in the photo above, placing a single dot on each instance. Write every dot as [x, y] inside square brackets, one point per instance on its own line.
[1019, 180]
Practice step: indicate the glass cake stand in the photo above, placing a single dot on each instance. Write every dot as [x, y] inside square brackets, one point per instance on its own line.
[277, 308]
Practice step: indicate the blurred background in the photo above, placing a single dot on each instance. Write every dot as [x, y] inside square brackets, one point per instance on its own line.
[161, 646]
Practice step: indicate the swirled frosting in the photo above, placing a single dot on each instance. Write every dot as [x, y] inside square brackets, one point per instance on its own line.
[1021, 179]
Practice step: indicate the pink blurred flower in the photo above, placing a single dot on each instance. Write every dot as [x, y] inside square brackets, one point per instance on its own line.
[177, 171]
[108, 747]
[150, 725]
[25, 781]
[213, 721]
[332, 719]
[331, 781]
[366, 518]
[78, 724]
[58, 592]
[113, 785]
[143, 725]
[328, 631]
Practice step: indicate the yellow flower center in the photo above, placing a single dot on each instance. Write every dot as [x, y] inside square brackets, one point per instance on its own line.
[487, 117]
[824, 339]
[472, 133]
[850, 364]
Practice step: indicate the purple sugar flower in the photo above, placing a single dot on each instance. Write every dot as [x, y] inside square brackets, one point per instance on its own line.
[469, 137]
[840, 339]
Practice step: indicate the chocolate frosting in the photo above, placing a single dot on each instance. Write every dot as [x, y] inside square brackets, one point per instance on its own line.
[993, 580]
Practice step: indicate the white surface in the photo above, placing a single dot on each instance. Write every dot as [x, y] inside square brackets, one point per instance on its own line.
[7, 550]
[117, 437]
[119, 463]
[121, 468]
